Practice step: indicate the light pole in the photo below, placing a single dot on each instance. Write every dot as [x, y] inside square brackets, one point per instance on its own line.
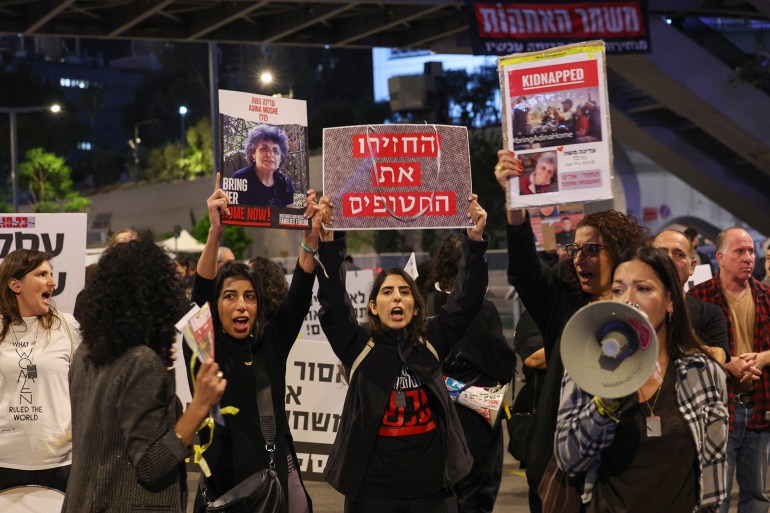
[135, 142]
[12, 112]
[182, 114]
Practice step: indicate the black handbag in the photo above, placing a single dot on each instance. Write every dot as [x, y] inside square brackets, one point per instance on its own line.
[261, 492]
[520, 423]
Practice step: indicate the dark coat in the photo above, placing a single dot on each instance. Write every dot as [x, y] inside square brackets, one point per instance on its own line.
[238, 448]
[374, 378]
[126, 455]
[551, 302]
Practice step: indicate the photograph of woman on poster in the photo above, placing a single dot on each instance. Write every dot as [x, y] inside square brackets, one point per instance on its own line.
[266, 149]
[539, 173]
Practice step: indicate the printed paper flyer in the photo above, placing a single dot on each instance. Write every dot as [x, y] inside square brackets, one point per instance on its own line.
[397, 176]
[264, 164]
[556, 119]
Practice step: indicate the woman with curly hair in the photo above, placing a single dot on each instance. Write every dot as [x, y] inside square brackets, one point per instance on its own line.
[274, 285]
[36, 347]
[400, 445]
[129, 439]
[266, 149]
[243, 334]
[600, 240]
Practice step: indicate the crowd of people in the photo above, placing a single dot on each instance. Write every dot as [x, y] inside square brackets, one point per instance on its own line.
[111, 434]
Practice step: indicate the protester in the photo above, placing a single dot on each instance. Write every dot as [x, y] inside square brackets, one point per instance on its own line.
[244, 333]
[745, 303]
[707, 319]
[600, 239]
[399, 447]
[274, 285]
[679, 412]
[224, 255]
[36, 347]
[129, 440]
[482, 357]
[267, 149]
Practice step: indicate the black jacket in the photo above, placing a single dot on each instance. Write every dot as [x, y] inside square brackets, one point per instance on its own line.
[374, 377]
[551, 302]
[238, 448]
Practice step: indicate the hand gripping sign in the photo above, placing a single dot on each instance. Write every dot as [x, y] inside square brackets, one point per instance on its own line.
[397, 176]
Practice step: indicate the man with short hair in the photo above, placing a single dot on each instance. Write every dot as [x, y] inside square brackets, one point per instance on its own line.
[567, 233]
[224, 256]
[746, 304]
[707, 319]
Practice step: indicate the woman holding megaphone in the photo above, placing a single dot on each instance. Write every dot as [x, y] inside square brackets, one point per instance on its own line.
[662, 448]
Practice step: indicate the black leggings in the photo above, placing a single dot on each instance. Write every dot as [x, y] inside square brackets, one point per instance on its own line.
[437, 503]
[51, 477]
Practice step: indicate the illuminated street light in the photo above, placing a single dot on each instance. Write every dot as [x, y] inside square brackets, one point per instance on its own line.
[182, 114]
[266, 78]
[12, 112]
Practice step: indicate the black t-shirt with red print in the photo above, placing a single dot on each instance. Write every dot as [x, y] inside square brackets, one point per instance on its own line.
[407, 434]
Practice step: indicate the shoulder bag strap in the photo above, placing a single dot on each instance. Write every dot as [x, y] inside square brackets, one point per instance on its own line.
[360, 358]
[265, 405]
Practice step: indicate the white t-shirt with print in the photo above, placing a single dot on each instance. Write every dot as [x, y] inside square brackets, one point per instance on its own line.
[35, 415]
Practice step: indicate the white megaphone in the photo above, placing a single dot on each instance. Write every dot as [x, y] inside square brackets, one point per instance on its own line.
[609, 349]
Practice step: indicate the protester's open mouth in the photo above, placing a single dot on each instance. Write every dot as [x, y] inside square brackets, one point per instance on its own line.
[585, 277]
[47, 296]
[397, 313]
[241, 324]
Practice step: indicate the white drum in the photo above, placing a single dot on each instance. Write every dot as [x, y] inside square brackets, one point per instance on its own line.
[31, 499]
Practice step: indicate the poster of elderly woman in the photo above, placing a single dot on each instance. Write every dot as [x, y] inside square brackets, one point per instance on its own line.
[264, 159]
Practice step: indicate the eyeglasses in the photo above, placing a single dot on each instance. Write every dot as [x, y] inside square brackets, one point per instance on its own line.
[276, 150]
[589, 249]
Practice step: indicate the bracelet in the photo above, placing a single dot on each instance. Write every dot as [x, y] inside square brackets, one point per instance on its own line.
[607, 408]
[314, 252]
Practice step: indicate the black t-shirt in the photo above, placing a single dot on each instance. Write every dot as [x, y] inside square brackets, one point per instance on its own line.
[408, 433]
[640, 473]
[280, 194]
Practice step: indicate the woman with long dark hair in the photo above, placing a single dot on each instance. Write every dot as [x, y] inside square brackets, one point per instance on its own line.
[663, 448]
[36, 347]
[129, 439]
[243, 333]
[400, 446]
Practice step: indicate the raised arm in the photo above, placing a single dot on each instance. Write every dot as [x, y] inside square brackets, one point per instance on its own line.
[217, 205]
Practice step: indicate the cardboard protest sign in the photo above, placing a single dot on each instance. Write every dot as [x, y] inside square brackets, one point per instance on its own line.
[264, 159]
[315, 385]
[556, 119]
[61, 235]
[397, 176]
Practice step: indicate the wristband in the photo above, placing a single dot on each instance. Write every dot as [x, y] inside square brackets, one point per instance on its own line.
[607, 408]
[314, 252]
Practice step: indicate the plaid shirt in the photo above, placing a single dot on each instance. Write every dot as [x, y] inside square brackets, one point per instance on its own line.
[711, 291]
[582, 433]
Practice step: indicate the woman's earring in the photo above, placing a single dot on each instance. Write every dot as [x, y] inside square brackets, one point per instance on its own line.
[669, 317]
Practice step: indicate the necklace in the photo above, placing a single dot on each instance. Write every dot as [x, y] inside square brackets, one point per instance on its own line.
[31, 368]
[654, 427]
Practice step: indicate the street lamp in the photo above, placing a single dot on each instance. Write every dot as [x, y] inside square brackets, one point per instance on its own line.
[134, 145]
[12, 112]
[182, 114]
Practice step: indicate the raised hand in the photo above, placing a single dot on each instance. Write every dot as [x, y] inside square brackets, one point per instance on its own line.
[478, 216]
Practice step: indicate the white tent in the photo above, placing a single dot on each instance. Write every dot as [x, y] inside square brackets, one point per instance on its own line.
[185, 243]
